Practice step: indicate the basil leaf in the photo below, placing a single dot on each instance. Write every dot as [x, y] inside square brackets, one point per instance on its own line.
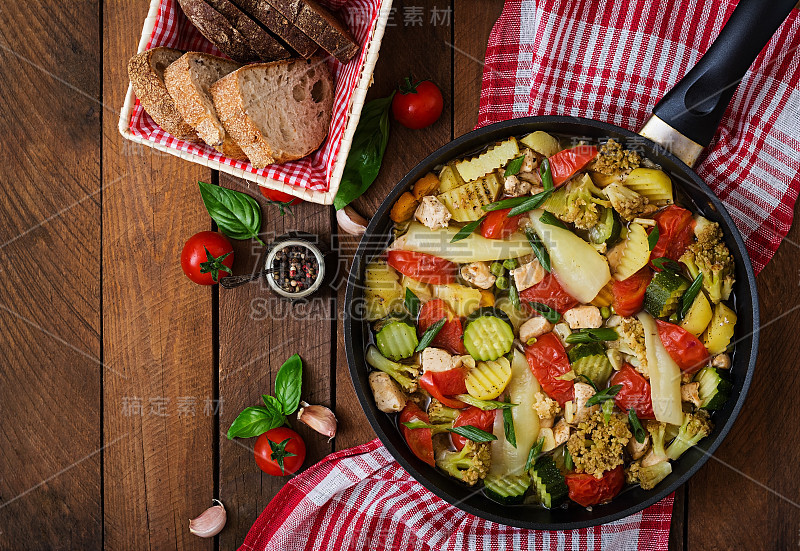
[536, 449]
[592, 335]
[412, 303]
[272, 403]
[530, 203]
[638, 430]
[688, 297]
[237, 215]
[538, 249]
[288, 383]
[505, 203]
[603, 395]
[513, 294]
[652, 239]
[666, 264]
[549, 218]
[430, 334]
[366, 152]
[513, 166]
[255, 421]
[568, 464]
[473, 433]
[485, 405]
[546, 312]
[467, 230]
[508, 427]
[546, 175]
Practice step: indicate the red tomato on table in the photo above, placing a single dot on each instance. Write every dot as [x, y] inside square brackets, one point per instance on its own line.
[423, 267]
[683, 347]
[498, 225]
[276, 196]
[629, 293]
[549, 291]
[548, 361]
[419, 440]
[675, 232]
[476, 417]
[586, 490]
[569, 161]
[635, 392]
[280, 451]
[450, 336]
[207, 257]
[417, 105]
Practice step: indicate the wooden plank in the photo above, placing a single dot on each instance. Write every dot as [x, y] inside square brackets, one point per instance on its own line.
[258, 331]
[748, 493]
[50, 439]
[158, 466]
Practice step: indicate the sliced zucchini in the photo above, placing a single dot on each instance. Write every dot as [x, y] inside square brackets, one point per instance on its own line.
[608, 229]
[488, 334]
[506, 489]
[635, 252]
[488, 161]
[663, 295]
[548, 482]
[488, 380]
[466, 201]
[590, 360]
[397, 340]
[714, 390]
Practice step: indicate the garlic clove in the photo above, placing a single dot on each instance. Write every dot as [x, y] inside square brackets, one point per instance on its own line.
[350, 221]
[319, 418]
[210, 522]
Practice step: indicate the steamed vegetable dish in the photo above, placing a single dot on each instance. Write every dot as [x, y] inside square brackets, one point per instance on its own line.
[549, 323]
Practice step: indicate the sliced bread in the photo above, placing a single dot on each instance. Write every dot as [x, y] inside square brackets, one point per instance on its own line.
[146, 71]
[276, 112]
[217, 29]
[259, 39]
[320, 25]
[263, 12]
[189, 81]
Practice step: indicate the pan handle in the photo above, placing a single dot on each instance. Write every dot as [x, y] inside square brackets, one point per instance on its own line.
[695, 106]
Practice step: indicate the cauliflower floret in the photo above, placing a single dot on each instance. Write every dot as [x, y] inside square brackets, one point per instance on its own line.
[478, 274]
[695, 427]
[612, 159]
[630, 342]
[546, 407]
[515, 187]
[710, 256]
[649, 476]
[627, 202]
[469, 465]
[432, 213]
[596, 447]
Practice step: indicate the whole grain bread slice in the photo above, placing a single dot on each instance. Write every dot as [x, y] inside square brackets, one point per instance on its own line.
[320, 25]
[266, 46]
[217, 29]
[276, 112]
[189, 81]
[146, 71]
[263, 12]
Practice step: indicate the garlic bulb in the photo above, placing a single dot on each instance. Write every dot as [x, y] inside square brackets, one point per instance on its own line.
[350, 221]
[319, 418]
[210, 522]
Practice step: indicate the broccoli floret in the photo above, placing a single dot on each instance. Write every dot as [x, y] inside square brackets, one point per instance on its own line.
[710, 256]
[695, 427]
[469, 465]
[596, 447]
[627, 202]
[630, 342]
[647, 477]
[612, 159]
[577, 203]
[657, 430]
[439, 413]
[405, 375]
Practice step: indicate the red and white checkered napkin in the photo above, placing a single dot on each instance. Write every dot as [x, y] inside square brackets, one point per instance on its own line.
[361, 499]
[613, 60]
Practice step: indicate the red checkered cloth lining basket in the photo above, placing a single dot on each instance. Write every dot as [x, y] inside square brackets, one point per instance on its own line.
[173, 30]
[613, 60]
[360, 499]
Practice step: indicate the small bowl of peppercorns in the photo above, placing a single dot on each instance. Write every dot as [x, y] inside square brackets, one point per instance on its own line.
[297, 268]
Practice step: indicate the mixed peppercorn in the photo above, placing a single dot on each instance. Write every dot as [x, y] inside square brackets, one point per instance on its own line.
[295, 269]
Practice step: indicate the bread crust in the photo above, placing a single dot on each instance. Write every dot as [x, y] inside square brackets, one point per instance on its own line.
[218, 30]
[271, 18]
[320, 25]
[259, 39]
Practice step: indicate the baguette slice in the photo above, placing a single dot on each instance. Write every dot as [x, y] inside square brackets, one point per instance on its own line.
[146, 71]
[188, 81]
[276, 112]
[218, 30]
[320, 25]
[260, 41]
[263, 12]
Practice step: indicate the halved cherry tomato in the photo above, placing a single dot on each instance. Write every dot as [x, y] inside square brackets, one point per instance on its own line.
[419, 440]
[675, 232]
[549, 291]
[629, 293]
[498, 225]
[683, 347]
[423, 267]
[586, 490]
[569, 161]
[451, 335]
[450, 386]
[635, 392]
[548, 361]
[478, 418]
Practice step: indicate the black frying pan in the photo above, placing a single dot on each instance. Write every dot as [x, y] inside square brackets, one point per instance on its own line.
[686, 119]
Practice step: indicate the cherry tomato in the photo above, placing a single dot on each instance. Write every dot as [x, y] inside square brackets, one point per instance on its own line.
[419, 440]
[428, 383]
[569, 161]
[683, 347]
[629, 293]
[451, 335]
[549, 291]
[423, 267]
[498, 225]
[476, 417]
[548, 361]
[280, 451]
[635, 392]
[279, 197]
[207, 257]
[675, 232]
[586, 490]
[417, 105]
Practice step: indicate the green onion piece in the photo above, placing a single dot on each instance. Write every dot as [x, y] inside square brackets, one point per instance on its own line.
[666, 264]
[546, 174]
[638, 430]
[430, 334]
[546, 312]
[548, 218]
[417, 425]
[590, 382]
[530, 203]
[501, 282]
[473, 433]
[608, 408]
[412, 303]
[513, 166]
[568, 464]
[592, 335]
[538, 249]
[510, 263]
[497, 268]
[536, 449]
[505, 203]
[603, 396]
[485, 405]
[652, 239]
[688, 297]
[508, 427]
[467, 230]
[513, 294]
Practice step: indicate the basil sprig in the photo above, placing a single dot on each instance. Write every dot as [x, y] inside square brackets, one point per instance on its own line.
[508, 426]
[430, 334]
[604, 395]
[237, 215]
[688, 297]
[584, 336]
[652, 239]
[536, 449]
[538, 249]
[514, 165]
[638, 430]
[546, 312]
[530, 203]
[467, 230]
[412, 303]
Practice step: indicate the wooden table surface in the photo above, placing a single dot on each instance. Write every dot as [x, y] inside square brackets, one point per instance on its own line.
[120, 376]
